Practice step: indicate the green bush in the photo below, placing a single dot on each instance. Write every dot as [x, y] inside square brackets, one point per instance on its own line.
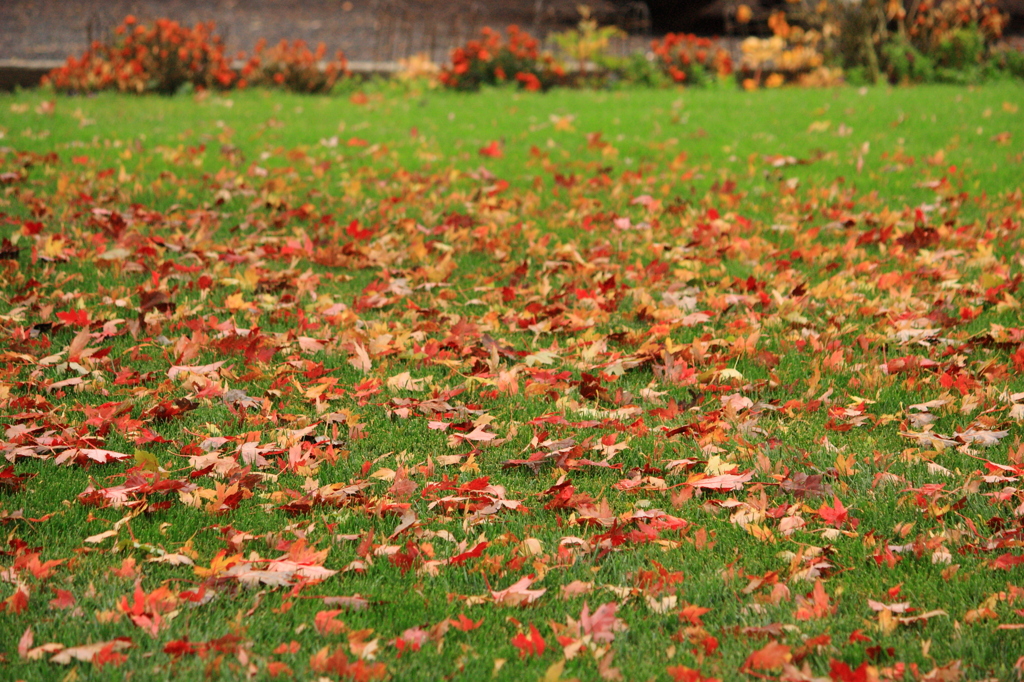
[962, 49]
[904, 63]
[1009, 61]
[639, 70]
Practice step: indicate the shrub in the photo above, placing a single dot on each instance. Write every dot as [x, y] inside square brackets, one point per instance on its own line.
[791, 55]
[492, 60]
[637, 69]
[904, 63]
[911, 41]
[691, 60]
[161, 57]
[1009, 61]
[587, 43]
[293, 66]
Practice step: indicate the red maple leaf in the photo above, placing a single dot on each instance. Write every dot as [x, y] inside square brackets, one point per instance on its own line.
[16, 603]
[1007, 561]
[529, 644]
[358, 233]
[108, 655]
[836, 515]
[471, 554]
[11, 482]
[180, 647]
[493, 150]
[840, 672]
[405, 560]
[74, 318]
[858, 636]
[63, 600]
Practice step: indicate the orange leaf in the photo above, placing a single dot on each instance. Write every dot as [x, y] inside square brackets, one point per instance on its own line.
[465, 624]
[771, 656]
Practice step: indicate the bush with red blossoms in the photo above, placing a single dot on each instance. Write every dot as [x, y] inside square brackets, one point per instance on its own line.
[491, 60]
[159, 57]
[690, 60]
[164, 56]
[293, 66]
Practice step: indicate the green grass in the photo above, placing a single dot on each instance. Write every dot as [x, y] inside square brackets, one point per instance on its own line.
[240, 206]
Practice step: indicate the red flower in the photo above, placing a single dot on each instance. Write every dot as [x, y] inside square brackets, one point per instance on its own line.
[529, 81]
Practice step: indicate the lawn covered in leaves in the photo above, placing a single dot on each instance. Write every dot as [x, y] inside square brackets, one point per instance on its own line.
[602, 385]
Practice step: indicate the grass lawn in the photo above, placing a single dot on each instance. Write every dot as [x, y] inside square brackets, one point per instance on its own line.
[602, 385]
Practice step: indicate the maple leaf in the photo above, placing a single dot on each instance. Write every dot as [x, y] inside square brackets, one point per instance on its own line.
[602, 624]
[518, 593]
[17, 602]
[771, 656]
[1007, 561]
[108, 655]
[531, 644]
[681, 673]
[605, 669]
[837, 515]
[145, 609]
[600, 514]
[692, 614]
[724, 482]
[493, 150]
[353, 603]
[817, 606]
[88, 652]
[576, 588]
[460, 559]
[412, 638]
[405, 559]
[74, 318]
[220, 564]
[466, 624]
[180, 647]
[337, 663]
[291, 647]
[39, 570]
[85, 456]
[63, 600]
[278, 668]
[801, 485]
[11, 482]
[25, 643]
[841, 672]
[901, 607]
[326, 622]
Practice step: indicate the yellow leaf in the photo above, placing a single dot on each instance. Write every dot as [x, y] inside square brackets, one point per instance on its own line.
[762, 533]
[235, 301]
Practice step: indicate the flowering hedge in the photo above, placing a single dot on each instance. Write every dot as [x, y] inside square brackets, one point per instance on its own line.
[492, 60]
[161, 57]
[690, 60]
[164, 56]
[945, 40]
[293, 66]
